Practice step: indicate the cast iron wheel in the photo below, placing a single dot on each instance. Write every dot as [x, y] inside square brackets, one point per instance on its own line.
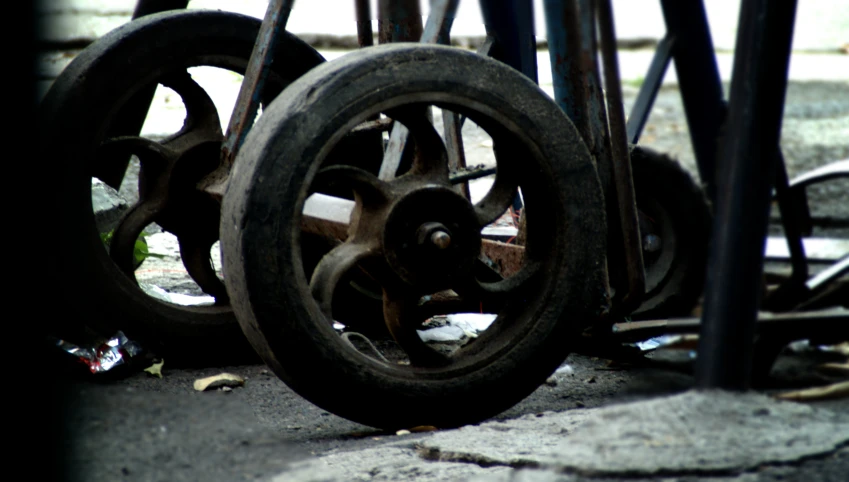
[417, 236]
[84, 136]
[675, 224]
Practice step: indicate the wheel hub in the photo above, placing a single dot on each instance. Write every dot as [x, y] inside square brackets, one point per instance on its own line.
[431, 237]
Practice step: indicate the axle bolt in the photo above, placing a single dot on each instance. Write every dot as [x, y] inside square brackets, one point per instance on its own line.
[440, 239]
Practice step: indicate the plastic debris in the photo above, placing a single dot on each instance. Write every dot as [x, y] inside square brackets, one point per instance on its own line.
[176, 298]
[218, 381]
[458, 326]
[155, 370]
[403, 432]
[106, 356]
[658, 342]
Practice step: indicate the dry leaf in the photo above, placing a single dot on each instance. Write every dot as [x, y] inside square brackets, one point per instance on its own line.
[218, 381]
[836, 390]
[155, 370]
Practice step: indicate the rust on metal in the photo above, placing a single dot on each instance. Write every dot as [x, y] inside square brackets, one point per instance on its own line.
[508, 258]
[247, 104]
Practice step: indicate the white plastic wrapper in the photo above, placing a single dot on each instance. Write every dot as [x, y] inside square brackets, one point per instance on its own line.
[459, 326]
[176, 298]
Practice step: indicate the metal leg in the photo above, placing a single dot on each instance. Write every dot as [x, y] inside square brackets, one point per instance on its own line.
[511, 23]
[699, 82]
[365, 38]
[247, 104]
[648, 91]
[750, 151]
[621, 162]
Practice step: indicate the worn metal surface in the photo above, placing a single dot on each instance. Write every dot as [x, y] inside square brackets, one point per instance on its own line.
[750, 151]
[247, 103]
[621, 162]
[508, 258]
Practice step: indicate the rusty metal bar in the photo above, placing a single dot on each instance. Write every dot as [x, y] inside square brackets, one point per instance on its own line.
[803, 325]
[247, 104]
[439, 24]
[399, 21]
[365, 37]
[622, 175]
[749, 152]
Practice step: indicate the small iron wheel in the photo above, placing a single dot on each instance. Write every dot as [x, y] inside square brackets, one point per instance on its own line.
[85, 135]
[416, 236]
[675, 224]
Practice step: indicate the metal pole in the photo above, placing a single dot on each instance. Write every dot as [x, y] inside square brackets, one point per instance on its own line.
[621, 162]
[365, 37]
[750, 152]
[698, 81]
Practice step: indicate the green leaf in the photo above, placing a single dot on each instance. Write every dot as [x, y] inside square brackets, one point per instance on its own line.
[140, 250]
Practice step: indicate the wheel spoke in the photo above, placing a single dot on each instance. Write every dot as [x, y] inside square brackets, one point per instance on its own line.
[503, 191]
[123, 242]
[371, 190]
[492, 290]
[201, 113]
[195, 253]
[152, 155]
[332, 268]
[402, 316]
[430, 157]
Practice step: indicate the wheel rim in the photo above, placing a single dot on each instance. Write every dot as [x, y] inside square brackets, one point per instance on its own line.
[390, 215]
[169, 168]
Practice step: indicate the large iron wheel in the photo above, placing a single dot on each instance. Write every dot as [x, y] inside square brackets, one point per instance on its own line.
[85, 135]
[417, 236]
